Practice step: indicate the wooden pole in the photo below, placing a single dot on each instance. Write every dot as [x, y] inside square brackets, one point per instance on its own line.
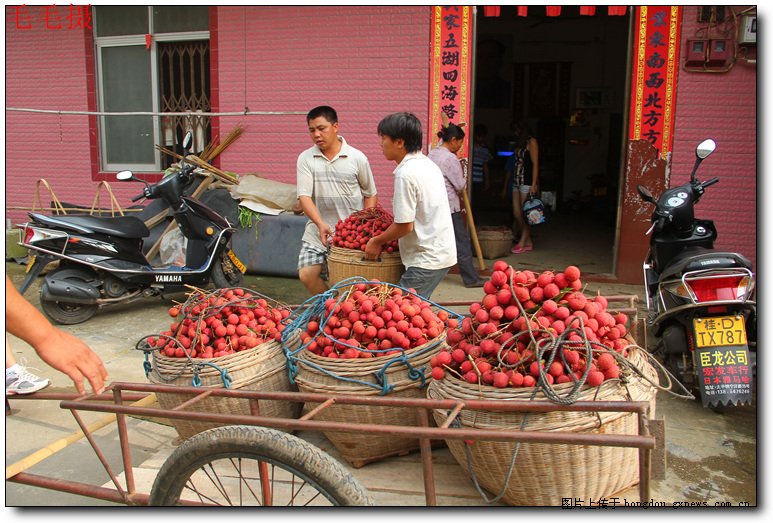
[471, 221]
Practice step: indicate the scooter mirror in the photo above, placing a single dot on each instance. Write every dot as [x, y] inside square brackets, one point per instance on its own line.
[705, 148]
[645, 193]
[124, 175]
[187, 140]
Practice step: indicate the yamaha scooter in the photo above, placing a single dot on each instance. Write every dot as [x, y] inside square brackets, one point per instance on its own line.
[101, 261]
[701, 302]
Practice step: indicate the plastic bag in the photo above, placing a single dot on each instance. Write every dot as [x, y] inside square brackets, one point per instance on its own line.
[172, 249]
[534, 210]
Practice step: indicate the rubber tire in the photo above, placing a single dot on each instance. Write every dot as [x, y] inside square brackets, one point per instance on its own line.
[65, 313]
[283, 450]
[219, 278]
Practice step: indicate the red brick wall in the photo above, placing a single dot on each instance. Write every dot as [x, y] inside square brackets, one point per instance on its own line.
[366, 62]
[45, 69]
[722, 106]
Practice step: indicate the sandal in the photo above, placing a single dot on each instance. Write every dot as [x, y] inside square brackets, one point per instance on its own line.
[519, 250]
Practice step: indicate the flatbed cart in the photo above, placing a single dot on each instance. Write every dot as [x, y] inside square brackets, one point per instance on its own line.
[251, 461]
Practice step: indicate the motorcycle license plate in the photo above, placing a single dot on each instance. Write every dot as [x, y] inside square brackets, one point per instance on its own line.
[236, 261]
[719, 331]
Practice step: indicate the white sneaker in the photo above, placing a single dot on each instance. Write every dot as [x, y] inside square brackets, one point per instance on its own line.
[24, 382]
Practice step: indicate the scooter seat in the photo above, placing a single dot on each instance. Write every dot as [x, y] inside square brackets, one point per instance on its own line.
[698, 258]
[121, 226]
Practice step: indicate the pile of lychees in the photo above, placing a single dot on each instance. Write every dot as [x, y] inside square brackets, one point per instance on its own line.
[359, 227]
[526, 320]
[219, 323]
[374, 319]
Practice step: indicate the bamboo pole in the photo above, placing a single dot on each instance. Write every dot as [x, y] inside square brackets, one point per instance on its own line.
[473, 232]
[471, 220]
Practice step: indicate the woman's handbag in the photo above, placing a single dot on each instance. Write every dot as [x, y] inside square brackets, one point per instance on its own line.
[534, 210]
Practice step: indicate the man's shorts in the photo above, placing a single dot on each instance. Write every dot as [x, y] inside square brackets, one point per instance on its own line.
[312, 255]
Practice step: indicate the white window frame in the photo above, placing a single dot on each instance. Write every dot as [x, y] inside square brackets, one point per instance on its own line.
[101, 42]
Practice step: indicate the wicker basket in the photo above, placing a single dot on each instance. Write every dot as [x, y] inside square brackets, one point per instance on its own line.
[263, 368]
[544, 474]
[495, 242]
[346, 263]
[317, 374]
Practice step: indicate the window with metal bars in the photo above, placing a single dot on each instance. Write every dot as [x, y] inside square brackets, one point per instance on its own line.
[150, 59]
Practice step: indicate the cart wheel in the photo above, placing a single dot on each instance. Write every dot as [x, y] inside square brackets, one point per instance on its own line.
[240, 465]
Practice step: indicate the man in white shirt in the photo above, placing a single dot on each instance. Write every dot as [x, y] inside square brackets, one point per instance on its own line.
[334, 180]
[422, 217]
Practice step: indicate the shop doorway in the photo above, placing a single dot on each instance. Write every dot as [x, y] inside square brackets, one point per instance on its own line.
[565, 77]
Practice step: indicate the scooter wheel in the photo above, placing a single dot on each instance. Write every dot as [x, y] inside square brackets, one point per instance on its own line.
[225, 275]
[66, 313]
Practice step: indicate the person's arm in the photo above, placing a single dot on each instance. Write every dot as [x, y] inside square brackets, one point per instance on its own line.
[454, 173]
[509, 173]
[367, 184]
[57, 348]
[311, 212]
[393, 232]
[369, 201]
[534, 154]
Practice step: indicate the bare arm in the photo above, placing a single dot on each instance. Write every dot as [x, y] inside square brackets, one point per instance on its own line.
[393, 232]
[59, 349]
[310, 210]
[534, 154]
[369, 201]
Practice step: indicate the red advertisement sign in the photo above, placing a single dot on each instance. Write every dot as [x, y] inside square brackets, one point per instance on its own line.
[655, 68]
[450, 69]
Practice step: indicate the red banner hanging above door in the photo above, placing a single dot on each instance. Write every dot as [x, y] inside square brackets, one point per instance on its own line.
[655, 68]
[451, 69]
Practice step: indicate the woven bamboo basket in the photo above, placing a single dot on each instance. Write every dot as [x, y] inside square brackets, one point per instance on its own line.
[347, 263]
[263, 368]
[544, 474]
[495, 242]
[317, 374]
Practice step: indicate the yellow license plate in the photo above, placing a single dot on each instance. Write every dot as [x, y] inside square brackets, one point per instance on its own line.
[719, 331]
[236, 261]
[30, 263]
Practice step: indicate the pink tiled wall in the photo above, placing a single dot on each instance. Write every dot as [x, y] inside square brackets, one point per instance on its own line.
[366, 62]
[45, 69]
[722, 106]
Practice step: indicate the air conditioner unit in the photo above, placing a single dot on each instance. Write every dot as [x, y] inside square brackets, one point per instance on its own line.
[747, 32]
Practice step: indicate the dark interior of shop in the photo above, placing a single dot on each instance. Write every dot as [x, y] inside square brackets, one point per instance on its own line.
[566, 78]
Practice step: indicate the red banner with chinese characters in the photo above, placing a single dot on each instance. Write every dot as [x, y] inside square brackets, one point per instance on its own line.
[655, 68]
[451, 69]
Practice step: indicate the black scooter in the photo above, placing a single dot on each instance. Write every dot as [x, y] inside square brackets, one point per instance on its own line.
[101, 261]
[701, 302]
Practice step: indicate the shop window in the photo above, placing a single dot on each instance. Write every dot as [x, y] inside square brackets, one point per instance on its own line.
[150, 59]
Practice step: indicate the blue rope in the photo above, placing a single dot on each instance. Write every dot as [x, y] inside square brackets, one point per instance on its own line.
[196, 367]
[313, 309]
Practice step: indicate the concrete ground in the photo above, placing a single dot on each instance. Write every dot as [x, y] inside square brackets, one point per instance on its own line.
[710, 457]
